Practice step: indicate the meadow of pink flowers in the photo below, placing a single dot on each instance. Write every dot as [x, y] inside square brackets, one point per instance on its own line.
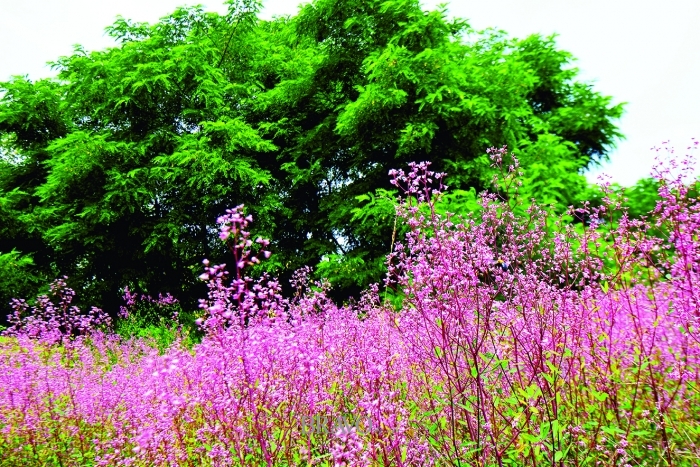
[509, 337]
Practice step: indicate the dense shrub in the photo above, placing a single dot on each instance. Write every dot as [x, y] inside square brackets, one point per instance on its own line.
[159, 321]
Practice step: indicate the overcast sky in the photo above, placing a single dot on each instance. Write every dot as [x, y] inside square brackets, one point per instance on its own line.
[643, 52]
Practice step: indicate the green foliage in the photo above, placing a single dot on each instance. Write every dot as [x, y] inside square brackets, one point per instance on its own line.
[17, 276]
[114, 173]
[159, 325]
[552, 173]
[642, 197]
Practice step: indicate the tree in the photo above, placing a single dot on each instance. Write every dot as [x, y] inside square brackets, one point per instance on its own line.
[121, 176]
[389, 83]
[115, 172]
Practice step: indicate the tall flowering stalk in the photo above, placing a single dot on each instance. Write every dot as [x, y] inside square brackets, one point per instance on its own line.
[237, 301]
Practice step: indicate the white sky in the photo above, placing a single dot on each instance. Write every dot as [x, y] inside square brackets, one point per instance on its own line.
[644, 52]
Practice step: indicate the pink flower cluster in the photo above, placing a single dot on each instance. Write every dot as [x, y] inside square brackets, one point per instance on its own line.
[54, 322]
[132, 299]
[520, 340]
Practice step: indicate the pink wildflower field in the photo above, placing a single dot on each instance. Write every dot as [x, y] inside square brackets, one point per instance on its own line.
[507, 337]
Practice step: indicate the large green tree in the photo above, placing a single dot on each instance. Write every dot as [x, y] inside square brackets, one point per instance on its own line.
[115, 172]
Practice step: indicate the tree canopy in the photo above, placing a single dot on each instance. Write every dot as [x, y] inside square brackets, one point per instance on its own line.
[114, 172]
